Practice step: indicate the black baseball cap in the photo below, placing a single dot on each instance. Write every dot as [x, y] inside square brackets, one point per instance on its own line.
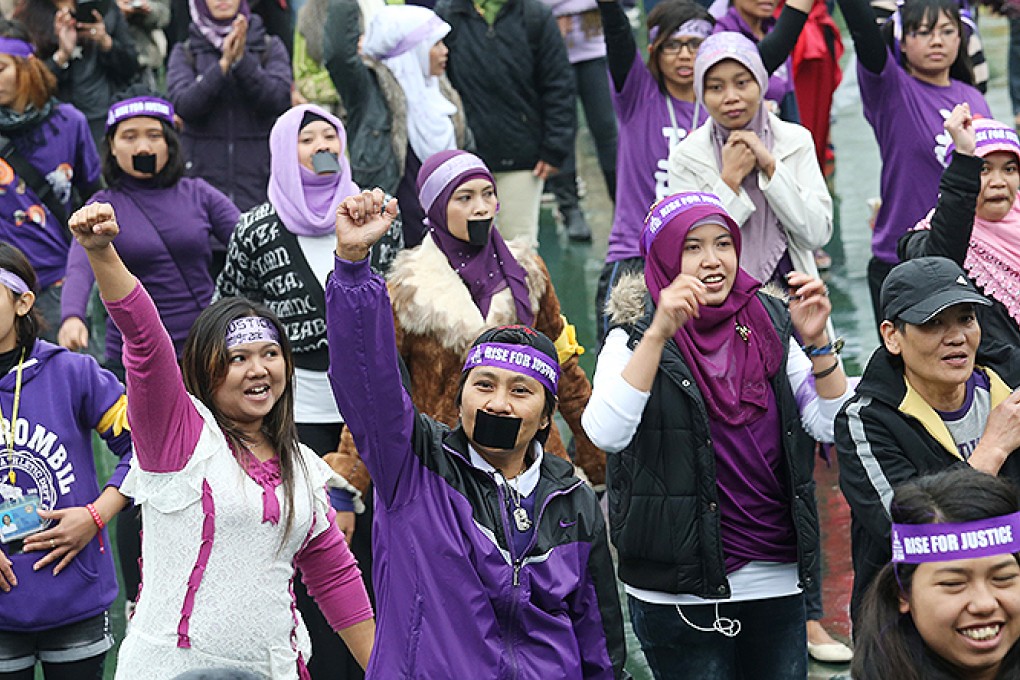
[917, 290]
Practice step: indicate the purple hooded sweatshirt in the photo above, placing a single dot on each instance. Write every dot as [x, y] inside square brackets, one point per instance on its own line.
[64, 396]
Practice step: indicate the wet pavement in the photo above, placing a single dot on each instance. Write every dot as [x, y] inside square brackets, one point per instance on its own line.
[575, 270]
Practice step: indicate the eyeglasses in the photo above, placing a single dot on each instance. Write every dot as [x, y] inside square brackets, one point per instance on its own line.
[673, 47]
[946, 33]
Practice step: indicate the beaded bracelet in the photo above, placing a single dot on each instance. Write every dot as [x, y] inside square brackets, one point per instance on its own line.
[834, 347]
[99, 523]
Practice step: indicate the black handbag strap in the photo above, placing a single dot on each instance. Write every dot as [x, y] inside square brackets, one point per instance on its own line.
[35, 181]
[166, 246]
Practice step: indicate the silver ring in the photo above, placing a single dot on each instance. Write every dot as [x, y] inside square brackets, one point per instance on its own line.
[92, 31]
[53, 544]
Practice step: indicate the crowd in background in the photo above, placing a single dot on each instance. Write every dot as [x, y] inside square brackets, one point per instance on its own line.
[282, 257]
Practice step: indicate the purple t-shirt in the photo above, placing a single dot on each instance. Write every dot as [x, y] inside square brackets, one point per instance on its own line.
[756, 521]
[62, 150]
[646, 136]
[907, 116]
[781, 80]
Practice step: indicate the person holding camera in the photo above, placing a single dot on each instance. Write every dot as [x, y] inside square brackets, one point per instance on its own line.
[88, 47]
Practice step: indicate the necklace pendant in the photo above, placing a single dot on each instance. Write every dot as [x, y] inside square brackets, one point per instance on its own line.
[11, 476]
[521, 519]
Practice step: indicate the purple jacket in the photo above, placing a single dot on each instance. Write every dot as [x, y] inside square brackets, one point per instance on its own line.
[64, 396]
[227, 117]
[455, 601]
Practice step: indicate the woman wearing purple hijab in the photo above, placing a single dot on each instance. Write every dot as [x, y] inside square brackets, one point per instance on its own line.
[704, 402]
[228, 82]
[463, 279]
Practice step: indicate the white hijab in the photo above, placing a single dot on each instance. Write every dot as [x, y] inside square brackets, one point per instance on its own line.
[400, 36]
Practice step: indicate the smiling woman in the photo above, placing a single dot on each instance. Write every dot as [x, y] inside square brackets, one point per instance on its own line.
[219, 468]
[952, 613]
[682, 389]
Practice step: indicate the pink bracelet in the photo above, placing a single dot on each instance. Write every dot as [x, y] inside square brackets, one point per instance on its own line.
[99, 523]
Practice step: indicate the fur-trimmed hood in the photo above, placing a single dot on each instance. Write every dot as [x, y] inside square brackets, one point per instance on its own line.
[430, 298]
[629, 302]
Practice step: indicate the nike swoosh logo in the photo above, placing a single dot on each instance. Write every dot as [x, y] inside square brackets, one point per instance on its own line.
[566, 525]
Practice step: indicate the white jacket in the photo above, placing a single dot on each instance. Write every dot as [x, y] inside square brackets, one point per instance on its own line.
[796, 192]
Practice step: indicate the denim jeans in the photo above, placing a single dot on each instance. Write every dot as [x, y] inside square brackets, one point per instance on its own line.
[771, 642]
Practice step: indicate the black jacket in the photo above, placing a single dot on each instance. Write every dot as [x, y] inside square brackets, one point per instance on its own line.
[663, 496]
[885, 436]
[515, 81]
[951, 227]
[376, 105]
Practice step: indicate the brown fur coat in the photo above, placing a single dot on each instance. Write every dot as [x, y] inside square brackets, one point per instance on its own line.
[436, 321]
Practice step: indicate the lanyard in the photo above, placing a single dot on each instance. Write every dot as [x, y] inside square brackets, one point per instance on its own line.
[14, 418]
[672, 120]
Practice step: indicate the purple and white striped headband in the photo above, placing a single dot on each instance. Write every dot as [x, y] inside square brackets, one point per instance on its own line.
[415, 37]
[918, 543]
[445, 174]
[14, 282]
[701, 28]
[251, 329]
[517, 358]
[152, 107]
[666, 210]
[16, 48]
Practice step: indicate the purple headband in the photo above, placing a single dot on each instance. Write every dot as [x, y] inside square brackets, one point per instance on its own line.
[991, 136]
[16, 48]
[153, 107]
[251, 329]
[415, 37]
[445, 174]
[669, 208]
[917, 543]
[699, 27]
[14, 282]
[517, 358]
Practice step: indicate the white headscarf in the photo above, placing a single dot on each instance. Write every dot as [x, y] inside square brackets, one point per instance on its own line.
[400, 36]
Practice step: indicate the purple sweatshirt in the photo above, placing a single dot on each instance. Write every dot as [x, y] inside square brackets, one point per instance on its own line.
[62, 150]
[441, 528]
[64, 396]
[186, 214]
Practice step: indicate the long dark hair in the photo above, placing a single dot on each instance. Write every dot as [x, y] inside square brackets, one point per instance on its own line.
[887, 644]
[916, 13]
[204, 364]
[668, 16]
[171, 172]
[14, 261]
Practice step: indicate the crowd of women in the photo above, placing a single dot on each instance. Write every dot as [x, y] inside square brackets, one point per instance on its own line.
[354, 436]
